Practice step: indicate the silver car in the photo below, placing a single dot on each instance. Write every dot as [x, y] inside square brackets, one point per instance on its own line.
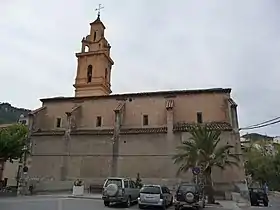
[119, 190]
[155, 195]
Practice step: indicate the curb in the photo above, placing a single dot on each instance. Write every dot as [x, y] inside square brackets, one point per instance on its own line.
[85, 197]
[213, 205]
[276, 193]
[242, 205]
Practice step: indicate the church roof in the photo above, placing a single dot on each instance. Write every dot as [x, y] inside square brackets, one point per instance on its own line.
[144, 94]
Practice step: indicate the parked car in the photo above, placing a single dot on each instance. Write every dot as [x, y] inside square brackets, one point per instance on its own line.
[189, 195]
[257, 196]
[119, 190]
[155, 195]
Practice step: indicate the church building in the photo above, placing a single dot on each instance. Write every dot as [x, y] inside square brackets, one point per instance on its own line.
[97, 134]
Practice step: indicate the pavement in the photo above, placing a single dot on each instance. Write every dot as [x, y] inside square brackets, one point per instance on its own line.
[65, 202]
[94, 202]
[60, 203]
[274, 204]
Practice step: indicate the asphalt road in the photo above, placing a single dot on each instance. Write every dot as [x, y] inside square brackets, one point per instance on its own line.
[33, 203]
[274, 204]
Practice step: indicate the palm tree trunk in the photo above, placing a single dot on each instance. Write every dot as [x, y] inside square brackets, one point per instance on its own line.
[209, 186]
[2, 165]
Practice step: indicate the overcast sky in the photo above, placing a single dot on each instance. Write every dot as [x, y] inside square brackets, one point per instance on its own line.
[156, 45]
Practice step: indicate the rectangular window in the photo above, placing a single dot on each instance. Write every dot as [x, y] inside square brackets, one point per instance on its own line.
[58, 122]
[125, 184]
[132, 184]
[199, 117]
[98, 121]
[145, 120]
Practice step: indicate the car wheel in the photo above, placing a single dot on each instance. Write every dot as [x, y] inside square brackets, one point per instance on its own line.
[141, 206]
[265, 203]
[106, 203]
[128, 202]
[253, 204]
[163, 205]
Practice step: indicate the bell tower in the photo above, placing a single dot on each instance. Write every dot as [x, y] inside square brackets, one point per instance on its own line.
[94, 63]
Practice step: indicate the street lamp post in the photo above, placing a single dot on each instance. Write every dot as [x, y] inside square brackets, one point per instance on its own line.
[23, 177]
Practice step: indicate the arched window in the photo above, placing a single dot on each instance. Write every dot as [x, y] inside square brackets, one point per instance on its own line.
[89, 73]
[106, 75]
[94, 36]
[86, 48]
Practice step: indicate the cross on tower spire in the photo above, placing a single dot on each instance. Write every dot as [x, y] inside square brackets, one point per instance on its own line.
[98, 9]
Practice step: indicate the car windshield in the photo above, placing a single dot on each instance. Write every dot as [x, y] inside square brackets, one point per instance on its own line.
[185, 188]
[117, 182]
[150, 190]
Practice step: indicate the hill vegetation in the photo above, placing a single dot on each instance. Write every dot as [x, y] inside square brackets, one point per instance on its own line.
[257, 137]
[10, 114]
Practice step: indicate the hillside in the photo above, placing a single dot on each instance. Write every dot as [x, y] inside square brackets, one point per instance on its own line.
[256, 137]
[10, 114]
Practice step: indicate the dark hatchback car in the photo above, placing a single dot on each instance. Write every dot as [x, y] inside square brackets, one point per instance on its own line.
[257, 196]
[189, 195]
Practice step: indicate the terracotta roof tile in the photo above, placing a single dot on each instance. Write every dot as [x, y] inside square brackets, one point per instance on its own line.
[144, 130]
[37, 110]
[48, 133]
[169, 104]
[179, 127]
[231, 102]
[119, 107]
[212, 126]
[75, 108]
[101, 131]
[93, 132]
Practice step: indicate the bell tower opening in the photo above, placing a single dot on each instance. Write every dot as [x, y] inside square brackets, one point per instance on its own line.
[94, 36]
[89, 73]
[93, 76]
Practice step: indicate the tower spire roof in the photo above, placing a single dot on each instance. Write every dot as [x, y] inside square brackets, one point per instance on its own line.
[98, 21]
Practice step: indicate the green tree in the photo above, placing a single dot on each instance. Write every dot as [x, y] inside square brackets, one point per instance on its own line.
[262, 166]
[203, 150]
[12, 141]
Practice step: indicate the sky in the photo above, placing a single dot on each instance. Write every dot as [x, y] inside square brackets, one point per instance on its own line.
[156, 45]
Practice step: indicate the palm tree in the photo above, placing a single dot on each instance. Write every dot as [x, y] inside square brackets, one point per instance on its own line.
[203, 150]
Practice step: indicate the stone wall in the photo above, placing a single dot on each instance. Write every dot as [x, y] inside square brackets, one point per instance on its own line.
[90, 157]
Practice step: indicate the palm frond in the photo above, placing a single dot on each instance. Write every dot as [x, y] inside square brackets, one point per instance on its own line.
[203, 148]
